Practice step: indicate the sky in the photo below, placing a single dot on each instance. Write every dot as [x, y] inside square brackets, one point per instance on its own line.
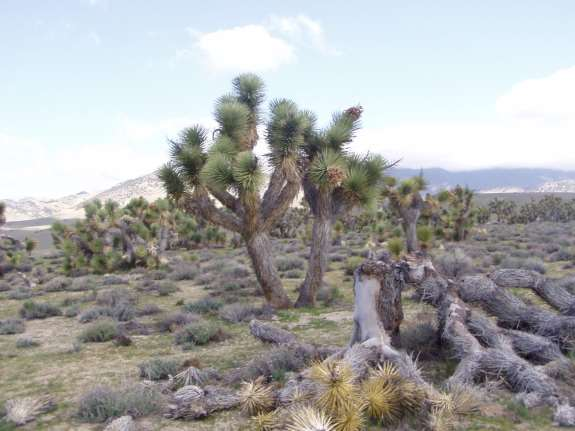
[91, 89]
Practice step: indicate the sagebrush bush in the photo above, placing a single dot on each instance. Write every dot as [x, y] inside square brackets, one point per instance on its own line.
[199, 334]
[57, 284]
[204, 305]
[171, 322]
[288, 263]
[38, 310]
[532, 263]
[454, 263]
[99, 332]
[25, 342]
[184, 272]
[11, 327]
[102, 403]
[114, 297]
[148, 310]
[158, 368]
[238, 312]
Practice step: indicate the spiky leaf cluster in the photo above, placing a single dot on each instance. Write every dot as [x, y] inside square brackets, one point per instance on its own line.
[110, 237]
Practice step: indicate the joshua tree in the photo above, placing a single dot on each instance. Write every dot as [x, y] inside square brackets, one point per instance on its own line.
[29, 245]
[460, 210]
[2, 213]
[229, 172]
[334, 182]
[406, 201]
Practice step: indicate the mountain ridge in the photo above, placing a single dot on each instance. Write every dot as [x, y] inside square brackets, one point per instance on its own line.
[496, 180]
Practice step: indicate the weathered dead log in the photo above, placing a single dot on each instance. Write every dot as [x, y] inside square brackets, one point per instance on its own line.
[549, 290]
[271, 334]
[213, 399]
[512, 313]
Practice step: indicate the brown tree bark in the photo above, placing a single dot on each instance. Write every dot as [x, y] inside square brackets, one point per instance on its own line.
[409, 223]
[260, 252]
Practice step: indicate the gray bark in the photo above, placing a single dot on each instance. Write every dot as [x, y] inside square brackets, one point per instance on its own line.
[260, 252]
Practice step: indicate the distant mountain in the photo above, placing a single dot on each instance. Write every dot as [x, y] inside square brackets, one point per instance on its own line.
[149, 187]
[72, 206]
[497, 180]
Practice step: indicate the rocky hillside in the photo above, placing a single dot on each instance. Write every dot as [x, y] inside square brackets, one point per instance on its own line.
[71, 206]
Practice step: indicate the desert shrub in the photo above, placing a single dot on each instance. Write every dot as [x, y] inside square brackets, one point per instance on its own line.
[148, 310]
[123, 312]
[11, 326]
[99, 332]
[328, 294]
[72, 311]
[293, 273]
[102, 403]
[157, 274]
[533, 264]
[24, 343]
[204, 305]
[351, 264]
[158, 368]
[82, 283]
[20, 293]
[176, 320]
[114, 297]
[57, 284]
[240, 312]
[199, 334]
[421, 340]
[288, 263]
[166, 288]
[38, 310]
[235, 271]
[112, 280]
[4, 286]
[454, 263]
[184, 272]
[561, 254]
[94, 313]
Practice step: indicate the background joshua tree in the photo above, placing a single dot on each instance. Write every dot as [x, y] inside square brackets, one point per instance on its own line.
[406, 201]
[110, 237]
[231, 173]
[334, 182]
[459, 213]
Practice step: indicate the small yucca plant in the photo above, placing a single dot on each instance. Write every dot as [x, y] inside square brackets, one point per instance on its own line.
[382, 399]
[307, 418]
[337, 388]
[264, 421]
[256, 397]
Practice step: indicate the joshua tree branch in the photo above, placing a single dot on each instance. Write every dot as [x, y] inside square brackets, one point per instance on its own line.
[200, 203]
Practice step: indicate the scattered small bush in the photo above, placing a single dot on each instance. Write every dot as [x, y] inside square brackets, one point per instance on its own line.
[102, 403]
[199, 334]
[454, 263]
[288, 263]
[158, 368]
[205, 305]
[166, 288]
[11, 327]
[328, 294]
[21, 293]
[38, 310]
[148, 310]
[72, 311]
[174, 321]
[184, 272]
[114, 297]
[57, 284]
[395, 246]
[24, 343]
[99, 332]
[236, 313]
[293, 273]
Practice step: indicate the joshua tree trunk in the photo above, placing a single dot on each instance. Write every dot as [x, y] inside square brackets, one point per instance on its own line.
[260, 251]
[410, 217]
[317, 265]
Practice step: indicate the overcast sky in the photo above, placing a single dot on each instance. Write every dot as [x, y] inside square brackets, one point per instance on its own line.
[90, 89]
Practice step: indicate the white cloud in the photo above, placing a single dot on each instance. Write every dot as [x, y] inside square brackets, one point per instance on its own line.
[256, 47]
[303, 30]
[536, 128]
[95, 38]
[549, 98]
[247, 48]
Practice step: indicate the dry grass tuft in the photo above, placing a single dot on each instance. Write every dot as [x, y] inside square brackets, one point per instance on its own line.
[20, 411]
